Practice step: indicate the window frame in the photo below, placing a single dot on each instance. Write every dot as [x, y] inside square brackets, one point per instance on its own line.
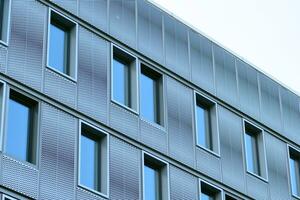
[72, 59]
[7, 196]
[296, 151]
[103, 135]
[5, 41]
[212, 186]
[3, 94]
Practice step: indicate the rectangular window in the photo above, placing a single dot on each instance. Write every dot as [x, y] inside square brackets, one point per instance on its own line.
[294, 160]
[254, 150]
[151, 95]
[6, 197]
[21, 135]
[62, 44]
[209, 192]
[4, 20]
[206, 123]
[155, 178]
[124, 78]
[93, 159]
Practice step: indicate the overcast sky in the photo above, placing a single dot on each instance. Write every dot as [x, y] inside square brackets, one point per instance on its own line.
[264, 32]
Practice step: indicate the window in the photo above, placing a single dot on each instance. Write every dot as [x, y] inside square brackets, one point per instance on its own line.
[62, 44]
[93, 167]
[254, 149]
[155, 178]
[21, 130]
[209, 192]
[206, 123]
[294, 160]
[151, 95]
[229, 197]
[6, 197]
[124, 78]
[4, 20]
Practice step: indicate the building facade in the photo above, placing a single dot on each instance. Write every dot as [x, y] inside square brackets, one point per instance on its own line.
[117, 99]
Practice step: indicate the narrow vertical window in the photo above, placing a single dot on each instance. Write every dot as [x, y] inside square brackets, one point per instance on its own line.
[151, 97]
[21, 127]
[93, 159]
[4, 20]
[209, 192]
[294, 160]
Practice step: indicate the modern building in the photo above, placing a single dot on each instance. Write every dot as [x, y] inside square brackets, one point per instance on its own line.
[117, 99]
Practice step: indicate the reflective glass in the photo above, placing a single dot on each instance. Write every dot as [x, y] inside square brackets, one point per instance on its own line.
[18, 130]
[150, 183]
[148, 98]
[251, 153]
[120, 82]
[206, 197]
[203, 134]
[293, 175]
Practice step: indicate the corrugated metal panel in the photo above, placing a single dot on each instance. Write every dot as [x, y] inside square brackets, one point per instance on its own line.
[226, 81]
[94, 12]
[180, 105]
[256, 188]
[202, 62]
[3, 59]
[57, 163]
[92, 75]
[69, 5]
[25, 51]
[125, 174]
[20, 177]
[122, 21]
[82, 194]
[231, 130]
[182, 185]
[60, 88]
[276, 152]
[176, 44]
[248, 89]
[150, 33]
[270, 104]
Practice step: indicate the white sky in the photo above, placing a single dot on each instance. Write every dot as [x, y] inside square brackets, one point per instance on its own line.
[264, 32]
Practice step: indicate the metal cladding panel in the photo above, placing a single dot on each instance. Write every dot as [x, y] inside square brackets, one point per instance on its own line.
[122, 21]
[83, 194]
[180, 128]
[58, 146]
[3, 59]
[60, 88]
[202, 62]
[182, 185]
[208, 164]
[69, 5]
[290, 114]
[270, 103]
[25, 51]
[124, 121]
[248, 89]
[231, 130]
[92, 75]
[256, 188]
[176, 47]
[125, 170]
[150, 33]
[20, 177]
[153, 136]
[226, 79]
[94, 12]
[276, 152]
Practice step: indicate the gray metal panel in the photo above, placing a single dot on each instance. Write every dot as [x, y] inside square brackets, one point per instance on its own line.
[270, 104]
[202, 62]
[226, 81]
[176, 44]
[125, 174]
[94, 12]
[182, 185]
[57, 162]
[124, 121]
[3, 59]
[83, 194]
[122, 21]
[276, 152]
[69, 5]
[60, 88]
[231, 130]
[20, 177]
[92, 75]
[154, 137]
[180, 109]
[25, 51]
[208, 164]
[290, 114]
[150, 33]
[256, 188]
[248, 89]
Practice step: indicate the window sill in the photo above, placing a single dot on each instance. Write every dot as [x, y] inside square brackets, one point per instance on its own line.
[125, 107]
[209, 151]
[295, 196]
[160, 127]
[21, 162]
[5, 44]
[61, 74]
[97, 193]
[257, 176]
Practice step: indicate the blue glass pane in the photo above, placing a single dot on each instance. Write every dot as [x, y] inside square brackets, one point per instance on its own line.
[89, 163]
[57, 48]
[1, 17]
[249, 153]
[201, 129]
[206, 197]
[150, 181]
[293, 175]
[18, 130]
[148, 92]
[120, 82]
